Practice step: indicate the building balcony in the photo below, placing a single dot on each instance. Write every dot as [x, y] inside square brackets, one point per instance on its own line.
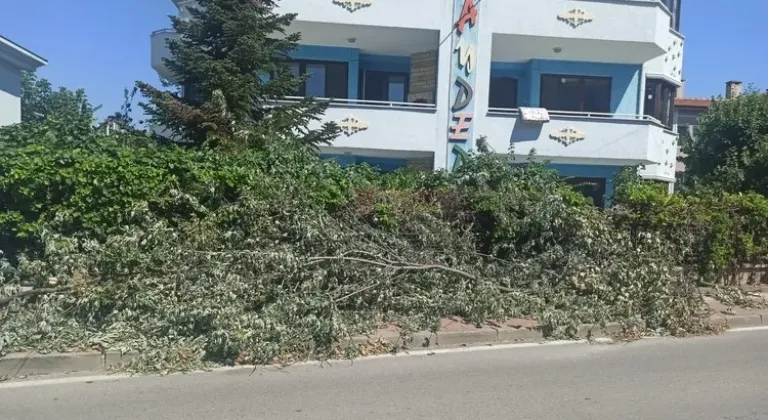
[601, 31]
[380, 129]
[579, 138]
[669, 66]
[422, 14]
[159, 50]
[666, 150]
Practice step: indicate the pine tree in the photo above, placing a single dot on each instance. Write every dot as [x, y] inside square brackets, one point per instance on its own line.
[234, 55]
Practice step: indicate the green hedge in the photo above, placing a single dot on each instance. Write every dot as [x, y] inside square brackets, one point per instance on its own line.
[193, 256]
[712, 232]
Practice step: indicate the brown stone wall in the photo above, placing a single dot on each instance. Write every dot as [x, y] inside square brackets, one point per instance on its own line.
[423, 80]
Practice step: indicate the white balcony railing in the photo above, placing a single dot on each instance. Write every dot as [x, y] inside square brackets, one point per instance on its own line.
[670, 65]
[607, 31]
[573, 114]
[365, 103]
[378, 125]
[159, 50]
[421, 14]
[589, 137]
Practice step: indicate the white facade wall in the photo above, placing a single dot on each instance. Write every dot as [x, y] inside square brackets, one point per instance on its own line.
[628, 40]
[13, 60]
[10, 95]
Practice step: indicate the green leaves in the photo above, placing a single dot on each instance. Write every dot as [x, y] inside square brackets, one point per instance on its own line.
[195, 256]
[730, 149]
[713, 232]
[230, 59]
[68, 113]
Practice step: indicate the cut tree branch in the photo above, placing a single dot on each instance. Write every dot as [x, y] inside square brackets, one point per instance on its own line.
[405, 267]
[34, 292]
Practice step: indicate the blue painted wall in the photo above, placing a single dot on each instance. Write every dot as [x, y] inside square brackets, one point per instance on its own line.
[389, 63]
[520, 71]
[355, 62]
[625, 80]
[590, 171]
[383, 164]
[606, 172]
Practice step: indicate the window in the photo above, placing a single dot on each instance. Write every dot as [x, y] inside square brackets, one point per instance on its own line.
[192, 93]
[324, 79]
[659, 98]
[674, 8]
[503, 93]
[687, 133]
[592, 188]
[316, 80]
[576, 93]
[384, 86]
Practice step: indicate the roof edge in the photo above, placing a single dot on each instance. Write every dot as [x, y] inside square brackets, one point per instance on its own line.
[693, 102]
[25, 57]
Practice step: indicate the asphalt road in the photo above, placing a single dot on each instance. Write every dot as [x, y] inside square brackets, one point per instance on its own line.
[724, 377]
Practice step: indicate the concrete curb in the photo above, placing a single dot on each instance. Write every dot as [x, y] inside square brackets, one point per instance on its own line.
[447, 339]
[16, 365]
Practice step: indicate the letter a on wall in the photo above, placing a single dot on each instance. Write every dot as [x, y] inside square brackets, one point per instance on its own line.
[463, 63]
[468, 16]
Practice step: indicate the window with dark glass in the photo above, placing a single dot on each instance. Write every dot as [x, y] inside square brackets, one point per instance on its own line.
[576, 93]
[593, 189]
[324, 79]
[503, 93]
[659, 101]
[384, 86]
[674, 8]
[192, 93]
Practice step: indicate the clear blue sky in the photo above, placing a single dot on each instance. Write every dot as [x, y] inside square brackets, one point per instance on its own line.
[104, 46]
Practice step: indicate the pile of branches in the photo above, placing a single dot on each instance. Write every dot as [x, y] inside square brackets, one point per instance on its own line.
[308, 256]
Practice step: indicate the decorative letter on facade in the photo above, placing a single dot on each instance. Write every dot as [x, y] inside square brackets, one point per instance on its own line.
[567, 136]
[575, 17]
[351, 125]
[463, 63]
[353, 5]
[467, 56]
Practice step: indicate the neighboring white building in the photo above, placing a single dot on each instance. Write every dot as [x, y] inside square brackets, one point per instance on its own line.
[13, 60]
[415, 83]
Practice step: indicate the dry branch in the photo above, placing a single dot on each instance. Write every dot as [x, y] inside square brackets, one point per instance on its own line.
[405, 267]
[34, 292]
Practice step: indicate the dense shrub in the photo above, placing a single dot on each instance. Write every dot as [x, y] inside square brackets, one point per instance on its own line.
[713, 233]
[93, 192]
[195, 256]
[730, 150]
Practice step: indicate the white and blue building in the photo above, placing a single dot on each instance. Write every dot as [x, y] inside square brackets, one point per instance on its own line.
[588, 85]
[14, 59]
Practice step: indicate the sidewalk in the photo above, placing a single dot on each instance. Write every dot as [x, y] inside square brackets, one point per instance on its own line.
[739, 314]
[454, 332]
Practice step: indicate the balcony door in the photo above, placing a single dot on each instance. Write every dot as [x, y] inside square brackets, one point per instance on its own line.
[324, 79]
[575, 93]
[384, 86]
[659, 101]
[674, 9]
[503, 93]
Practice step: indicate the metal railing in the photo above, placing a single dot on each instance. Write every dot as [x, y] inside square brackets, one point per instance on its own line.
[364, 103]
[163, 31]
[575, 114]
[677, 34]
